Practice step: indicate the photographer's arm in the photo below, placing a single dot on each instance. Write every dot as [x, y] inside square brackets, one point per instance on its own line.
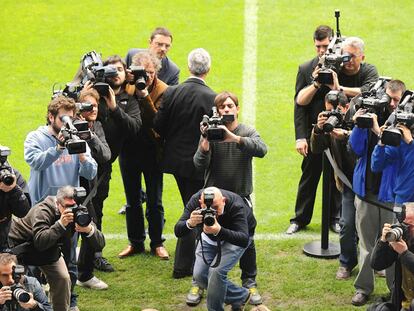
[100, 150]
[37, 158]
[407, 259]
[252, 144]
[181, 229]
[319, 141]
[307, 92]
[18, 200]
[202, 157]
[47, 231]
[94, 236]
[39, 300]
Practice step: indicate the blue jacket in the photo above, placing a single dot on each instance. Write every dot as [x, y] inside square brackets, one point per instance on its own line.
[51, 169]
[402, 159]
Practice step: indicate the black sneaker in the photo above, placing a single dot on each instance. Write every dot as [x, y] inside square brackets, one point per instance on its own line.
[102, 264]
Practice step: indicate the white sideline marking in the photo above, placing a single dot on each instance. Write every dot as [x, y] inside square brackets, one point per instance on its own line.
[257, 237]
[249, 69]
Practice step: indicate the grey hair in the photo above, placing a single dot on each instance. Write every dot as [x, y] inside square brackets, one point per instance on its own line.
[145, 57]
[199, 62]
[65, 192]
[354, 42]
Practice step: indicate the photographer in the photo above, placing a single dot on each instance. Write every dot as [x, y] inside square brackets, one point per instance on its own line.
[227, 164]
[374, 195]
[14, 198]
[326, 135]
[225, 224]
[40, 233]
[11, 283]
[400, 252]
[120, 117]
[142, 156]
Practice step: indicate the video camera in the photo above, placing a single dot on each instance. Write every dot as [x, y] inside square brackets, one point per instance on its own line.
[208, 212]
[80, 212]
[140, 77]
[333, 58]
[70, 133]
[214, 132]
[92, 69]
[375, 101]
[399, 230]
[7, 176]
[84, 107]
[403, 115]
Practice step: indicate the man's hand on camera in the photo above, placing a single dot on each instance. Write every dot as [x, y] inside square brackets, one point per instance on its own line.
[399, 246]
[60, 140]
[129, 76]
[86, 229]
[195, 219]
[375, 127]
[302, 147]
[82, 157]
[321, 120]
[339, 133]
[67, 217]
[141, 93]
[315, 74]
[204, 143]
[385, 230]
[110, 100]
[214, 229]
[88, 86]
[406, 133]
[6, 188]
[31, 304]
[358, 113]
[5, 294]
[335, 85]
[229, 136]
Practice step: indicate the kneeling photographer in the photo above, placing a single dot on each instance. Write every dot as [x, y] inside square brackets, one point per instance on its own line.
[332, 131]
[14, 196]
[17, 290]
[38, 237]
[396, 245]
[225, 225]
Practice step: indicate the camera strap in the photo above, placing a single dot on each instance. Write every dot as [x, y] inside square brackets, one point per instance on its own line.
[92, 193]
[218, 256]
[336, 169]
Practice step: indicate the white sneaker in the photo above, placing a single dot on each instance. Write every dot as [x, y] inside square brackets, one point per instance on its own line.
[93, 283]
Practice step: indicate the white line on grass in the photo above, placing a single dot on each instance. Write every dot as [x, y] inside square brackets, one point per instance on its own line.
[249, 68]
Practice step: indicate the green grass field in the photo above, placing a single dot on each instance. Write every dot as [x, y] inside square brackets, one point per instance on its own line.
[42, 42]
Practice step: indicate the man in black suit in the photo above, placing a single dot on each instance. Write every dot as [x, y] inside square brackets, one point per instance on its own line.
[160, 43]
[178, 122]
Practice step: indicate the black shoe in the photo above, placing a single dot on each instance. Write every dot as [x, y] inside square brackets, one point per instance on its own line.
[293, 228]
[180, 274]
[102, 264]
[359, 299]
[335, 227]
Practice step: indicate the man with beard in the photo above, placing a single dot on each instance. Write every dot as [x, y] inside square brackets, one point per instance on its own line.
[120, 117]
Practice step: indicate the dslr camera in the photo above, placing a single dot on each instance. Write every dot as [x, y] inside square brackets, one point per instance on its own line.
[399, 230]
[335, 117]
[70, 133]
[333, 58]
[19, 294]
[376, 100]
[140, 77]
[214, 132]
[208, 212]
[7, 176]
[80, 212]
[403, 115]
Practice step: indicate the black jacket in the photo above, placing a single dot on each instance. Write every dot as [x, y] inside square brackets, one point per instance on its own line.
[237, 221]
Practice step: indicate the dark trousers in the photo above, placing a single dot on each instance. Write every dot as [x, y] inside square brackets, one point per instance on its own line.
[185, 248]
[248, 266]
[308, 185]
[132, 170]
[102, 192]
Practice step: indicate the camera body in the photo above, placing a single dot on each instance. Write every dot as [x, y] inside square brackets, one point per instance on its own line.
[335, 120]
[7, 176]
[19, 294]
[84, 107]
[375, 101]
[80, 212]
[140, 77]
[208, 212]
[399, 230]
[214, 132]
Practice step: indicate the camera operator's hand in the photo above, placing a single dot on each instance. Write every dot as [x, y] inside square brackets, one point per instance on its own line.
[339, 133]
[6, 188]
[88, 86]
[382, 128]
[399, 246]
[321, 120]
[60, 141]
[141, 93]
[302, 147]
[385, 230]
[204, 143]
[335, 85]
[110, 99]
[66, 217]
[406, 133]
[214, 229]
[229, 136]
[358, 113]
[86, 229]
[315, 74]
[195, 219]
[82, 157]
[31, 304]
[375, 127]
[129, 76]
[5, 294]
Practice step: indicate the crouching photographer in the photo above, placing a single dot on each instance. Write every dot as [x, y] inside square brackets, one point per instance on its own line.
[14, 196]
[396, 246]
[225, 225]
[18, 291]
[38, 237]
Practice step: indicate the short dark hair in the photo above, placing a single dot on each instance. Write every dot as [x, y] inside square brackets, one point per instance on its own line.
[57, 103]
[342, 100]
[396, 85]
[113, 59]
[221, 98]
[322, 32]
[161, 31]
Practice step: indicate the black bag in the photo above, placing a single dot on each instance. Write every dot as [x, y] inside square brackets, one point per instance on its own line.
[27, 254]
[382, 306]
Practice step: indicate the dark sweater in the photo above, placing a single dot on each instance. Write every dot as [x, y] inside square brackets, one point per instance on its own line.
[237, 221]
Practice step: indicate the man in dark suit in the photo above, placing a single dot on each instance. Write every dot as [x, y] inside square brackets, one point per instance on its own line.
[160, 43]
[178, 122]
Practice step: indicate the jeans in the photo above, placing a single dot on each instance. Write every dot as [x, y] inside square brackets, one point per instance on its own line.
[348, 257]
[220, 289]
